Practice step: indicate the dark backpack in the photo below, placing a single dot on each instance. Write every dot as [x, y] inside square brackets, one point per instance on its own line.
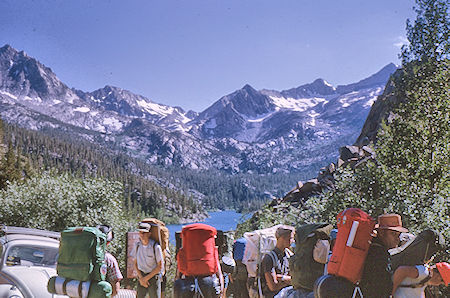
[304, 269]
[419, 251]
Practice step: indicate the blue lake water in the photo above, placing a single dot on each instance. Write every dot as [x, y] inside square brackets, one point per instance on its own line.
[221, 220]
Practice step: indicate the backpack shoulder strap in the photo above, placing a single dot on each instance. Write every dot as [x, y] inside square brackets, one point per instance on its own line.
[419, 284]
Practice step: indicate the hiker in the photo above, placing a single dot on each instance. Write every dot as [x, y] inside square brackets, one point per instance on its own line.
[275, 265]
[198, 267]
[376, 280]
[149, 263]
[239, 277]
[113, 274]
[411, 281]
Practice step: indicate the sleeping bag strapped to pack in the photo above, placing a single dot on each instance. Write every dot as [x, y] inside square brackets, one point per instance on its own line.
[82, 254]
[417, 251]
[259, 243]
[355, 228]
[198, 255]
[79, 289]
[310, 254]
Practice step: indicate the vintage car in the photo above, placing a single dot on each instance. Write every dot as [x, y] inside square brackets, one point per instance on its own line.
[28, 260]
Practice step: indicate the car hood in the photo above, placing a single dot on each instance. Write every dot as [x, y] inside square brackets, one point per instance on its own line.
[32, 281]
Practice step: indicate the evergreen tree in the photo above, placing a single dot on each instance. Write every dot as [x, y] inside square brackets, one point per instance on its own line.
[411, 175]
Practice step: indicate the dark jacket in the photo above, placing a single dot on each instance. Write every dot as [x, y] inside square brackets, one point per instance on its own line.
[376, 281]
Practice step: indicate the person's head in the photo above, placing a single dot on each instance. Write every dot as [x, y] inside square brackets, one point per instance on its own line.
[144, 230]
[285, 236]
[108, 231]
[389, 228]
[440, 274]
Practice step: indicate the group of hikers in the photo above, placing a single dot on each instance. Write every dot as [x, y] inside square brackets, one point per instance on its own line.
[361, 258]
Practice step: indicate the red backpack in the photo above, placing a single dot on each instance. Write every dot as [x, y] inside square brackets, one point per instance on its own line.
[198, 255]
[355, 228]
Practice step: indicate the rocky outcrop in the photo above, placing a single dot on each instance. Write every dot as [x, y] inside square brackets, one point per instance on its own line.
[380, 111]
[352, 156]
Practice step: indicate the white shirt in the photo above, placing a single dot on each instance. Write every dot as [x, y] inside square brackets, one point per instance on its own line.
[148, 257]
[413, 292]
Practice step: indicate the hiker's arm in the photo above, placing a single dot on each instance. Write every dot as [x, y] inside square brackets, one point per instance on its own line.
[401, 273]
[220, 275]
[272, 283]
[115, 288]
[154, 271]
[285, 278]
[139, 275]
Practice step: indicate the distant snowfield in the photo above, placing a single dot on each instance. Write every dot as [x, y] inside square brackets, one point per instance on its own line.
[154, 108]
[297, 104]
[82, 109]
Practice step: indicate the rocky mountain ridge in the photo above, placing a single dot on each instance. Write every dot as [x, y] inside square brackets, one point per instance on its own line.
[251, 131]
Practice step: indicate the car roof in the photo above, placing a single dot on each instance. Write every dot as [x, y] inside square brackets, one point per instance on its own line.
[20, 238]
[20, 233]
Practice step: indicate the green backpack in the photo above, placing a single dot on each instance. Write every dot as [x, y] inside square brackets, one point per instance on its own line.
[82, 254]
[303, 268]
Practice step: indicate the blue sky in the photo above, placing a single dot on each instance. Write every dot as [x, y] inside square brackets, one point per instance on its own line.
[190, 53]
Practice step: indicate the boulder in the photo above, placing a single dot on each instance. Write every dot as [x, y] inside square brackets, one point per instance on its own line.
[348, 152]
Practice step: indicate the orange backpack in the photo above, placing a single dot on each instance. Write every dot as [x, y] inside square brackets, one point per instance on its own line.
[355, 228]
[198, 255]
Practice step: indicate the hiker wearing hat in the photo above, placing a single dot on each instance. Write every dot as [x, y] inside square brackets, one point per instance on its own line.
[411, 281]
[148, 263]
[113, 274]
[376, 280]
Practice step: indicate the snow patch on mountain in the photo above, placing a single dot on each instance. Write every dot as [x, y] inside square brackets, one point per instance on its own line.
[82, 109]
[297, 104]
[313, 115]
[113, 123]
[154, 108]
[8, 94]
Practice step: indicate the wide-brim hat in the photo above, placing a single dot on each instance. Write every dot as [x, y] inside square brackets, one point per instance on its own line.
[391, 222]
[444, 271]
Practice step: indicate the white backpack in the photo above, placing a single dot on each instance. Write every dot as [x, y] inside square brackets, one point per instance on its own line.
[259, 243]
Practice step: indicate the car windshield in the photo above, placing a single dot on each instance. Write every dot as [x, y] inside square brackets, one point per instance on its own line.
[32, 255]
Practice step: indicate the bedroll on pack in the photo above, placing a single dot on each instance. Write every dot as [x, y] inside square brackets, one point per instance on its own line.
[82, 254]
[305, 268]
[79, 289]
[355, 228]
[198, 255]
[332, 286]
[418, 250]
[259, 243]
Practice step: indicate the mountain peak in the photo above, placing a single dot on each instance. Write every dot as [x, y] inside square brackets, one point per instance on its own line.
[8, 48]
[248, 88]
[8, 52]
[379, 78]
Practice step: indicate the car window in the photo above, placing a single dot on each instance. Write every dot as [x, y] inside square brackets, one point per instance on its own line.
[32, 255]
